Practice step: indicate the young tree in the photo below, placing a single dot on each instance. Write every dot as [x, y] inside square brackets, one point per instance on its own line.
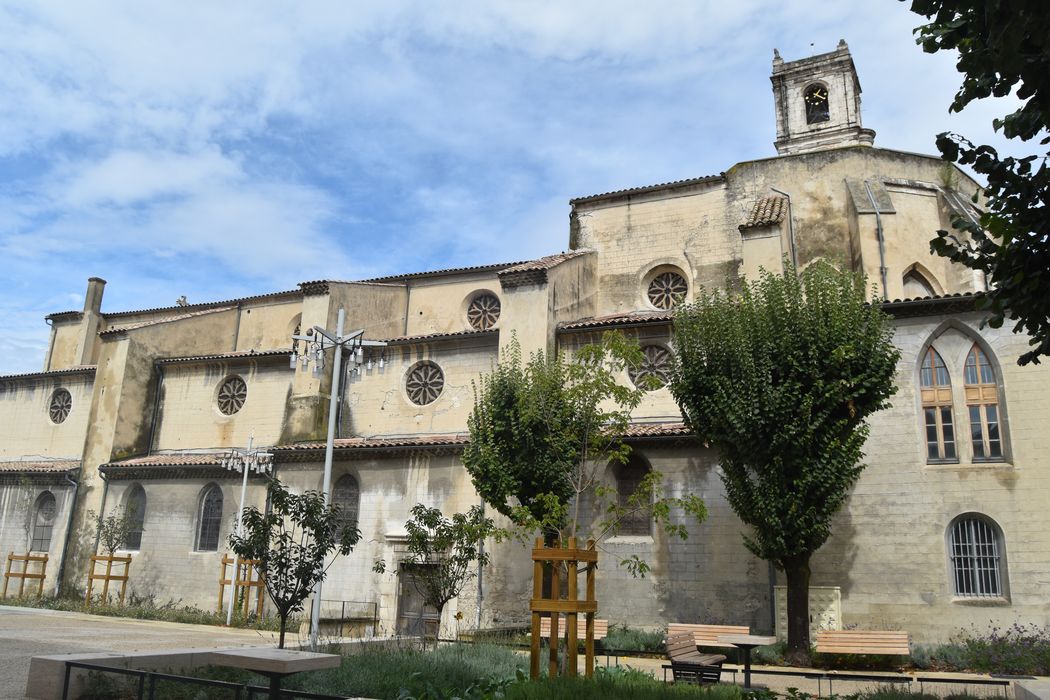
[779, 379]
[543, 432]
[443, 551]
[291, 543]
[1002, 47]
[112, 531]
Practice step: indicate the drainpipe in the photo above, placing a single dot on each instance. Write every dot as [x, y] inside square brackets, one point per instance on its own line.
[102, 508]
[156, 407]
[791, 226]
[882, 243]
[65, 540]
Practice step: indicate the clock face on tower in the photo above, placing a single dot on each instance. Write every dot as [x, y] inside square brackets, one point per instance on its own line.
[816, 99]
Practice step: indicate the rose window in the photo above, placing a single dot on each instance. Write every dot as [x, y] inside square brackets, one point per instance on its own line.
[61, 403]
[424, 383]
[483, 311]
[667, 290]
[652, 372]
[232, 394]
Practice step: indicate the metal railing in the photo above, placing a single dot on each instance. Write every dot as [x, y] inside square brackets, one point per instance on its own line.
[147, 684]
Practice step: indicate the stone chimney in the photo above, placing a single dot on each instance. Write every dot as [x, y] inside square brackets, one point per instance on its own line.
[89, 323]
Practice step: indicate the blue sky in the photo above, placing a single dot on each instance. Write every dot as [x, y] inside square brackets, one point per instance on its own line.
[219, 150]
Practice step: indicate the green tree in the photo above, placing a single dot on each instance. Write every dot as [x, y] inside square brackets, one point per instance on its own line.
[1002, 47]
[112, 531]
[542, 433]
[779, 379]
[291, 542]
[442, 552]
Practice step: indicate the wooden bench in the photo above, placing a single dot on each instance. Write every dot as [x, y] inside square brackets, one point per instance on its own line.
[707, 635]
[601, 628]
[863, 642]
[687, 664]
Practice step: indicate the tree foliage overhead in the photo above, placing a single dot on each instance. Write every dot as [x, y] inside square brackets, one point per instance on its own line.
[291, 543]
[779, 379]
[1002, 47]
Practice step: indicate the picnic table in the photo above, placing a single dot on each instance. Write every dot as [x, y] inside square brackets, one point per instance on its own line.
[275, 664]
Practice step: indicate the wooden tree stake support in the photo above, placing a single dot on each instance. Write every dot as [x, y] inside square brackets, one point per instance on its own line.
[555, 606]
[26, 559]
[246, 577]
[108, 576]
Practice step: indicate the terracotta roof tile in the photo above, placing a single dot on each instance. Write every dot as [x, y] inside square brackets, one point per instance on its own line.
[200, 459]
[240, 355]
[626, 319]
[545, 263]
[39, 466]
[203, 305]
[365, 443]
[452, 335]
[164, 319]
[492, 267]
[78, 369]
[649, 188]
[642, 430]
[767, 211]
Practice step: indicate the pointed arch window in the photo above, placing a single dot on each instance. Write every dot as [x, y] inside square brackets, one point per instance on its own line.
[917, 286]
[982, 404]
[135, 507]
[43, 522]
[210, 519]
[347, 495]
[936, 387]
[629, 478]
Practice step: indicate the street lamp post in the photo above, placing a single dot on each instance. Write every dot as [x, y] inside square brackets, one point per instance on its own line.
[317, 341]
[243, 461]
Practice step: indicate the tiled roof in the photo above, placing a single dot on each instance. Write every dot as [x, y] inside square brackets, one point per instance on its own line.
[944, 303]
[205, 305]
[544, 263]
[240, 355]
[79, 369]
[644, 430]
[766, 212]
[405, 339]
[199, 459]
[164, 319]
[649, 188]
[371, 443]
[626, 319]
[55, 466]
[447, 271]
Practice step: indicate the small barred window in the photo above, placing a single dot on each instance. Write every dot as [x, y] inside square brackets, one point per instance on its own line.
[976, 558]
[653, 371]
[61, 404]
[667, 290]
[232, 394]
[424, 383]
[483, 311]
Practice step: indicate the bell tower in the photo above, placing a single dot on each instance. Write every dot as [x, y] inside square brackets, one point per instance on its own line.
[818, 103]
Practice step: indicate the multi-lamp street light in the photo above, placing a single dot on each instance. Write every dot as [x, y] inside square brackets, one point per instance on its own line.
[243, 461]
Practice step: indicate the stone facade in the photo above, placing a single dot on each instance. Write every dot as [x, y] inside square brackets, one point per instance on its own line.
[144, 390]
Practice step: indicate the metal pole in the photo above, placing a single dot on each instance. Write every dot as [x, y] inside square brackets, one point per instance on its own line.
[240, 518]
[327, 484]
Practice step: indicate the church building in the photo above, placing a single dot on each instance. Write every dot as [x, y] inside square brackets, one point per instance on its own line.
[947, 527]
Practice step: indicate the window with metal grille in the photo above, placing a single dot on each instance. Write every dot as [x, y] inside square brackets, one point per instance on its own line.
[347, 496]
[976, 564]
[936, 387]
[629, 477]
[43, 522]
[982, 404]
[210, 520]
[135, 507]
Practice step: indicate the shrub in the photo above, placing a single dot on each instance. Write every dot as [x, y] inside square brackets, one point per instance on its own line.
[624, 638]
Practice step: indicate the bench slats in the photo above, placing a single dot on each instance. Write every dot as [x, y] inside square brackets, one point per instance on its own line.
[707, 635]
[601, 627]
[863, 642]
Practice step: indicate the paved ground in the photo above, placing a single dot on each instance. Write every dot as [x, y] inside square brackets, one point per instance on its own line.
[27, 632]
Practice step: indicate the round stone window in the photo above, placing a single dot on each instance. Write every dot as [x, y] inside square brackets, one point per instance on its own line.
[232, 394]
[424, 383]
[60, 405]
[654, 369]
[667, 290]
[483, 311]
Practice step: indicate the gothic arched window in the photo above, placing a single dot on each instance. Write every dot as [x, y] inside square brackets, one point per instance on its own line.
[629, 477]
[210, 519]
[816, 99]
[43, 522]
[347, 495]
[982, 403]
[916, 286]
[936, 387]
[135, 507]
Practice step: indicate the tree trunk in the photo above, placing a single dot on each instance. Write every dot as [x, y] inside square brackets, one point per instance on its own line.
[284, 623]
[796, 569]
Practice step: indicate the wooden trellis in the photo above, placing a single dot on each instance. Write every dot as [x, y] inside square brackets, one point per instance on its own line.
[108, 575]
[571, 605]
[246, 577]
[26, 559]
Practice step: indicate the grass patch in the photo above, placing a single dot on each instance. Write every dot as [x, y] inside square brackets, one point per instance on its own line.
[146, 608]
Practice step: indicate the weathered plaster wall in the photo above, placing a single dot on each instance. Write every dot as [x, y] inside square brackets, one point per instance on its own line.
[189, 416]
[439, 304]
[26, 426]
[63, 348]
[267, 326]
[17, 509]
